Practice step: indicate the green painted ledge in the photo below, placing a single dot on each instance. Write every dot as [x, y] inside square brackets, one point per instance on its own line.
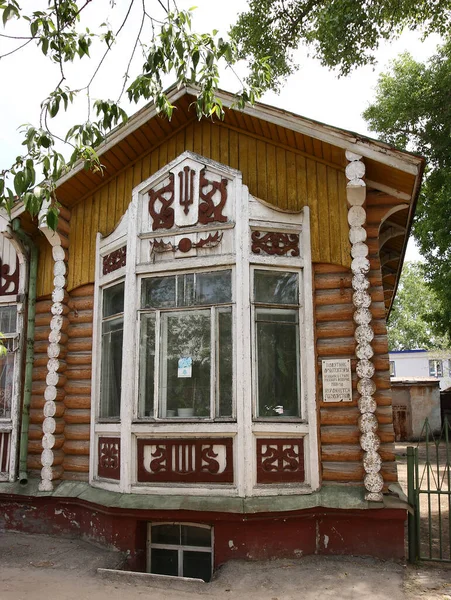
[329, 496]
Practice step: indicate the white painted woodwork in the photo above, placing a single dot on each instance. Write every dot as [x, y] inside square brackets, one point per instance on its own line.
[244, 214]
[364, 334]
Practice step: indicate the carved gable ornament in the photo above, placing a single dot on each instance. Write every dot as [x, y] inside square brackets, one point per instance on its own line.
[189, 192]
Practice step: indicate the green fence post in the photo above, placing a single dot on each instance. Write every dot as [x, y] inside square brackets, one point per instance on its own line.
[411, 523]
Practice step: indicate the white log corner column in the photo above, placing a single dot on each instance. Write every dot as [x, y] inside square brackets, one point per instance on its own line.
[364, 334]
[54, 365]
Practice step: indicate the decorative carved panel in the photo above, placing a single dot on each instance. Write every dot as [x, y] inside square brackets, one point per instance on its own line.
[209, 212]
[186, 244]
[109, 458]
[115, 260]
[160, 205]
[199, 200]
[280, 460]
[207, 460]
[273, 242]
[9, 282]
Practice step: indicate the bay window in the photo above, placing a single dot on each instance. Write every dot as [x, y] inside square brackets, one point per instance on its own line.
[185, 347]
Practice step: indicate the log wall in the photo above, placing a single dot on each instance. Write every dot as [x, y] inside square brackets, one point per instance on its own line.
[341, 454]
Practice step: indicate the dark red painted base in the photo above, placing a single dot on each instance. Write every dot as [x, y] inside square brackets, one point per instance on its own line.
[373, 532]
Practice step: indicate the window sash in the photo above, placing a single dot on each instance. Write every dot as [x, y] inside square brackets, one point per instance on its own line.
[214, 400]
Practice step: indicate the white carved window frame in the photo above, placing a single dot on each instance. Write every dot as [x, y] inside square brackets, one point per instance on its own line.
[11, 425]
[249, 214]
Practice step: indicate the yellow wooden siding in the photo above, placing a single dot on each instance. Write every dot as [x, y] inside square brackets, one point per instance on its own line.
[284, 178]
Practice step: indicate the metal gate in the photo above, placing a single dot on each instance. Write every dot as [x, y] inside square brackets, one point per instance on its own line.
[429, 493]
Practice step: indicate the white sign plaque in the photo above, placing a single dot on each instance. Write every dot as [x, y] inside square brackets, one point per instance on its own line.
[337, 384]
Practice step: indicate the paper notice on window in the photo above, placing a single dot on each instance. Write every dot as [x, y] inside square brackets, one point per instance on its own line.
[185, 367]
[337, 384]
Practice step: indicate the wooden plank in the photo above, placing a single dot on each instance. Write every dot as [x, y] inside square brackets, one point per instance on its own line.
[281, 178]
[120, 192]
[206, 138]
[180, 142]
[172, 153]
[343, 216]
[233, 150]
[103, 212]
[313, 204]
[272, 174]
[224, 145]
[252, 166]
[215, 142]
[146, 167]
[334, 220]
[301, 182]
[242, 157]
[262, 179]
[292, 196]
[324, 214]
[88, 233]
[189, 138]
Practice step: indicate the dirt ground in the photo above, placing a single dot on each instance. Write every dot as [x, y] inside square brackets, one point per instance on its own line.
[42, 567]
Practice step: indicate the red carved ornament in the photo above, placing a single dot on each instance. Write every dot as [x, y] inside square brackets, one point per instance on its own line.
[273, 242]
[186, 461]
[7, 278]
[109, 458]
[280, 460]
[209, 212]
[163, 215]
[115, 260]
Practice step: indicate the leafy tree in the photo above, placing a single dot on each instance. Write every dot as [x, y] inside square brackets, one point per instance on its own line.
[412, 110]
[412, 320]
[342, 33]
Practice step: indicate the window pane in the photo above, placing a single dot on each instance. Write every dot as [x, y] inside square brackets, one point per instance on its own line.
[225, 362]
[6, 380]
[110, 382]
[146, 365]
[158, 292]
[197, 564]
[8, 316]
[196, 536]
[164, 562]
[165, 534]
[186, 341]
[113, 300]
[185, 290]
[213, 288]
[273, 287]
[277, 362]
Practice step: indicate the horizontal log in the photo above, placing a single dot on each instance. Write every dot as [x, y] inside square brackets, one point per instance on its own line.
[79, 345]
[341, 312]
[78, 432]
[74, 462]
[329, 268]
[339, 435]
[80, 330]
[333, 297]
[82, 303]
[43, 320]
[77, 415]
[63, 227]
[330, 281]
[383, 397]
[81, 316]
[76, 447]
[78, 401]
[64, 212]
[335, 329]
[75, 372]
[37, 402]
[44, 307]
[384, 415]
[83, 290]
[343, 472]
[336, 347]
[34, 464]
[78, 388]
[35, 446]
[81, 358]
[341, 453]
[38, 399]
[342, 415]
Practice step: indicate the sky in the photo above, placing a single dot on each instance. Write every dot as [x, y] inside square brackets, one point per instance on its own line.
[314, 91]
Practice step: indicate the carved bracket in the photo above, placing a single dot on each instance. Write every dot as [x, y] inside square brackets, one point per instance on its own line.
[7, 279]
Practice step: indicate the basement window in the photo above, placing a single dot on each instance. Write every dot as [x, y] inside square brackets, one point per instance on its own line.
[180, 550]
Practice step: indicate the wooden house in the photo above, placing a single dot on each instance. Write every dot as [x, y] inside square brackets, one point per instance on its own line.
[197, 364]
